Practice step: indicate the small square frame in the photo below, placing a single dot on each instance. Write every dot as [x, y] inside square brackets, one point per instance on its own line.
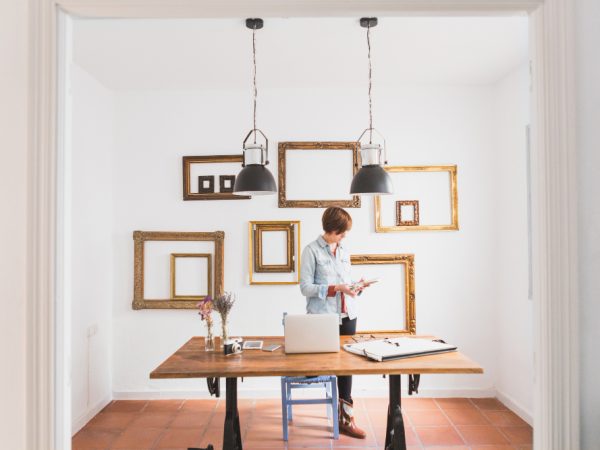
[407, 223]
[139, 240]
[223, 179]
[174, 257]
[408, 260]
[210, 189]
[294, 242]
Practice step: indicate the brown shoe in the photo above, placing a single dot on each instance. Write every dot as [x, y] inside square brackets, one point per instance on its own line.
[347, 424]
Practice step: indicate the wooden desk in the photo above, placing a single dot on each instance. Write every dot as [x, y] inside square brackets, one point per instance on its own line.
[192, 361]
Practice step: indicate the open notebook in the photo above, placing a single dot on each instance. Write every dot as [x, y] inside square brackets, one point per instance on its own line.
[395, 348]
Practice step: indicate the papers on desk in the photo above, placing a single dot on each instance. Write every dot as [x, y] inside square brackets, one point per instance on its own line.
[395, 348]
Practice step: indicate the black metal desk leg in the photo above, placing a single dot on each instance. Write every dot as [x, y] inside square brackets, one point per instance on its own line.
[395, 438]
[232, 437]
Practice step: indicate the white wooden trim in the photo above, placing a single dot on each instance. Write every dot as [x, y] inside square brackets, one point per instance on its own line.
[82, 420]
[556, 410]
[515, 407]
[556, 338]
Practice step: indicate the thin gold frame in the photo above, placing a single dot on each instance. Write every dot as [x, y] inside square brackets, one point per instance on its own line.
[296, 242]
[141, 237]
[284, 146]
[259, 267]
[208, 159]
[174, 257]
[379, 228]
[408, 260]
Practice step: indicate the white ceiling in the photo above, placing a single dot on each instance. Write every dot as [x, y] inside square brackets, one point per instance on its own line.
[181, 54]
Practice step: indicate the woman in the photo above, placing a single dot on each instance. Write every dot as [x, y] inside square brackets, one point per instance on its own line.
[326, 284]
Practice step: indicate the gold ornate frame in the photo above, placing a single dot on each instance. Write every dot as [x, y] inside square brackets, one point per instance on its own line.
[141, 237]
[408, 260]
[208, 159]
[379, 228]
[174, 257]
[403, 223]
[292, 243]
[259, 229]
[284, 146]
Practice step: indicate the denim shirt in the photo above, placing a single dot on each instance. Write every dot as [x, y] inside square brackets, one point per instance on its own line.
[321, 269]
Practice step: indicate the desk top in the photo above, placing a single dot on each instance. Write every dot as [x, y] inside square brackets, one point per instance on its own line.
[192, 361]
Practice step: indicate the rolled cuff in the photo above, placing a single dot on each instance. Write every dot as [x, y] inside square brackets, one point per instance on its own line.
[331, 291]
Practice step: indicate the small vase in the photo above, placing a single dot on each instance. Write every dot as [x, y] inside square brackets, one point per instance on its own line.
[209, 341]
[224, 334]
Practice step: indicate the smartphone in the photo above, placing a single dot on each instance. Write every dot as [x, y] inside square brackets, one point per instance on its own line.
[270, 348]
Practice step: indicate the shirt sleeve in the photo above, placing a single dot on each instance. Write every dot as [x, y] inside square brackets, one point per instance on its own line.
[307, 276]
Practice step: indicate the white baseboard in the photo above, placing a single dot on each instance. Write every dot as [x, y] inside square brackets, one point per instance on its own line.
[82, 420]
[276, 393]
[515, 407]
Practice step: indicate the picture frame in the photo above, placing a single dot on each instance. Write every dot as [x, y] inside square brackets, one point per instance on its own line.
[255, 252]
[226, 183]
[262, 227]
[210, 180]
[189, 161]
[140, 238]
[173, 266]
[415, 208]
[332, 149]
[408, 300]
[452, 198]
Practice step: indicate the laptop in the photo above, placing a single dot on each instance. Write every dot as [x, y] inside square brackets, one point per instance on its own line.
[312, 333]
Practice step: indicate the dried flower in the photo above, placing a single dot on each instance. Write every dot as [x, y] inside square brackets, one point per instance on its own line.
[223, 303]
[205, 306]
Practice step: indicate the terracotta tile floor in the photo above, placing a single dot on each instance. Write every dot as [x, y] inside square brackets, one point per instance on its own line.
[457, 424]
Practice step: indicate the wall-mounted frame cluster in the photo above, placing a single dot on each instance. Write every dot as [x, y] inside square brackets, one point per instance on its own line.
[160, 260]
[179, 292]
[274, 252]
[320, 168]
[382, 306]
[431, 190]
[200, 175]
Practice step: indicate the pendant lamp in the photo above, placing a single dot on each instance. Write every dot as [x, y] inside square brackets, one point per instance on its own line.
[371, 179]
[255, 178]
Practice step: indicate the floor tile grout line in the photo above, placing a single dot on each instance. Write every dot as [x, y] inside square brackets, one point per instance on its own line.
[453, 424]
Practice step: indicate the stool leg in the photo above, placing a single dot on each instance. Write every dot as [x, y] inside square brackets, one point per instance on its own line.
[328, 396]
[284, 409]
[334, 407]
[289, 397]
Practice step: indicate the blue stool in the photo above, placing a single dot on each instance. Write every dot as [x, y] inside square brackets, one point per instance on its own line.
[329, 382]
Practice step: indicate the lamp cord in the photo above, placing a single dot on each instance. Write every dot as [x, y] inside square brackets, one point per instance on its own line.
[254, 77]
[370, 71]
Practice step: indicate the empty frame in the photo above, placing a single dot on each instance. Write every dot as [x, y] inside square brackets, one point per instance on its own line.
[191, 276]
[321, 176]
[274, 252]
[432, 190]
[157, 275]
[379, 311]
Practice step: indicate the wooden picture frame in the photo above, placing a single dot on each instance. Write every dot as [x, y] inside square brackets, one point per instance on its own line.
[259, 229]
[408, 260]
[210, 189]
[406, 223]
[224, 179]
[188, 161]
[141, 237]
[453, 197]
[292, 227]
[174, 257]
[308, 146]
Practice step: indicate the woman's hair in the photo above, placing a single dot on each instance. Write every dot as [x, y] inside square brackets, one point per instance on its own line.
[336, 220]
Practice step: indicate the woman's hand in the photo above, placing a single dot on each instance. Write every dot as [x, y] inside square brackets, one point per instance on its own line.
[345, 289]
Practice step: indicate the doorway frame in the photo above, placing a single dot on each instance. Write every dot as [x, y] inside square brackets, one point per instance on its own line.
[554, 189]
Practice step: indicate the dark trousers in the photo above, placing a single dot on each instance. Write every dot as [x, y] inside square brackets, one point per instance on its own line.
[347, 328]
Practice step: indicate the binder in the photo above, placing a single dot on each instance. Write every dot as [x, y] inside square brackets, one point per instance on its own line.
[396, 348]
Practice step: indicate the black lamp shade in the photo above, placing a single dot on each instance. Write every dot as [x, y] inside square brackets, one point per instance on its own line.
[254, 179]
[372, 179]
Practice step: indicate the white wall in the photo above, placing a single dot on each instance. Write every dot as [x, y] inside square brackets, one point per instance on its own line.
[92, 245]
[13, 224]
[587, 28]
[513, 309]
[456, 272]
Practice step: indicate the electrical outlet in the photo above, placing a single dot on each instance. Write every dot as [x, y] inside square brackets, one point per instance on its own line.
[92, 330]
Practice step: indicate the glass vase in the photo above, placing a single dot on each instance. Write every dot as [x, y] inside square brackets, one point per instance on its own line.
[209, 342]
[224, 334]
